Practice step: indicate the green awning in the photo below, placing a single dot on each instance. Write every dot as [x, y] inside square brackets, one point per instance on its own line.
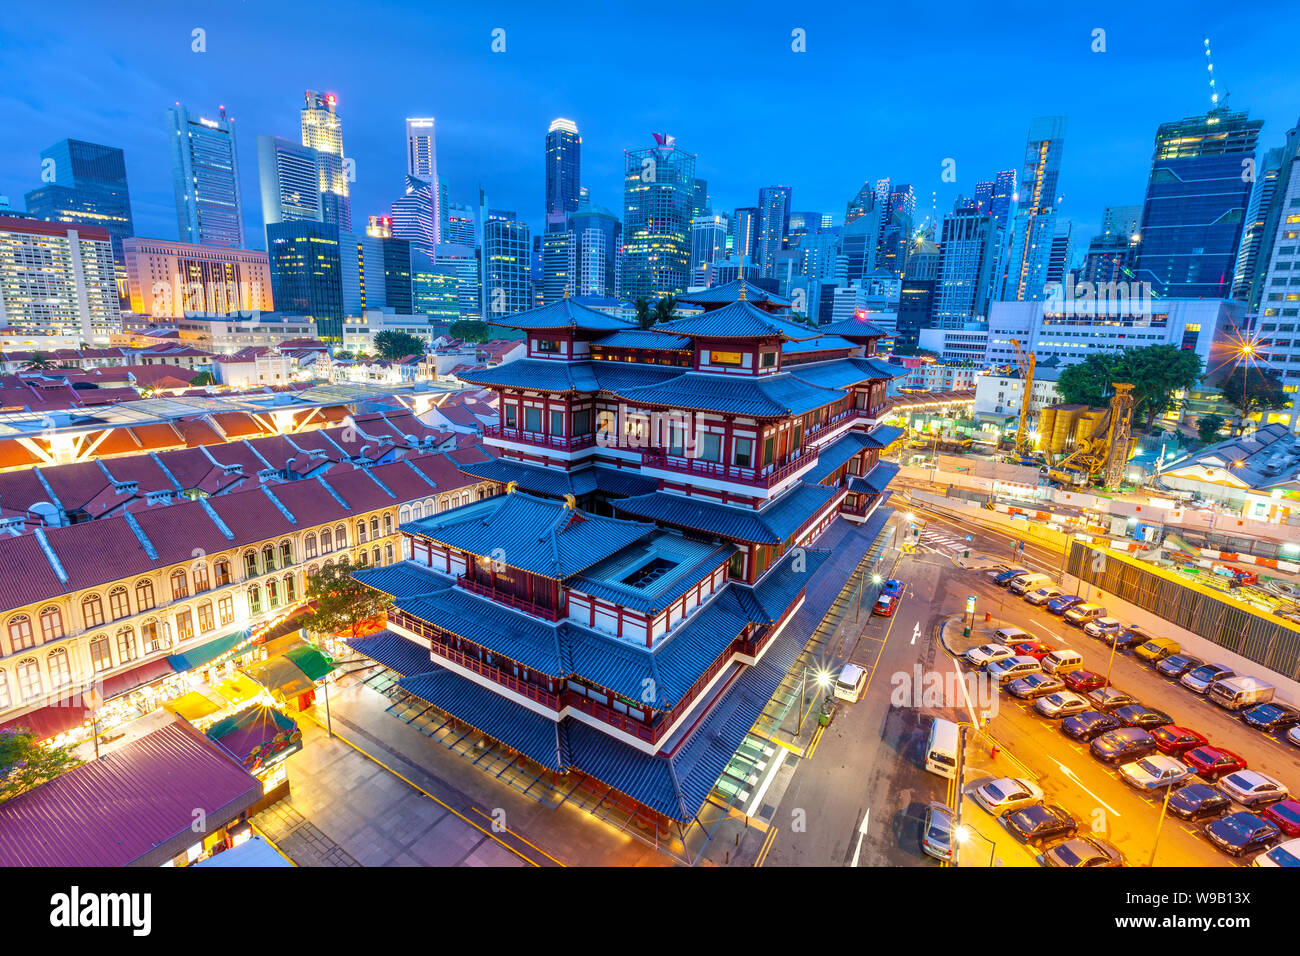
[310, 661]
[280, 676]
[198, 656]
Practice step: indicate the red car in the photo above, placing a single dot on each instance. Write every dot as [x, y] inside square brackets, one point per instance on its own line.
[1285, 816]
[1211, 763]
[884, 605]
[1176, 741]
[1035, 649]
[1082, 681]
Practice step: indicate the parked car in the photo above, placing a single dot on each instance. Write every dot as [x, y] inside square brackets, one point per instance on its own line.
[1063, 703]
[1156, 650]
[1035, 649]
[1082, 681]
[1006, 577]
[1009, 636]
[1060, 605]
[1129, 637]
[1284, 854]
[1176, 665]
[1081, 852]
[893, 587]
[1197, 801]
[1241, 832]
[884, 605]
[1176, 741]
[1006, 794]
[1108, 699]
[936, 832]
[1250, 788]
[1081, 614]
[1103, 627]
[1041, 596]
[1211, 763]
[1122, 745]
[1034, 686]
[1200, 678]
[1140, 715]
[1293, 736]
[1154, 772]
[1272, 718]
[986, 654]
[1285, 815]
[1089, 724]
[1039, 823]
[1012, 668]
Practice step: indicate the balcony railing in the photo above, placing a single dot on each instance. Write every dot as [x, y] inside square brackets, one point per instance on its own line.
[501, 597]
[562, 442]
[620, 721]
[763, 476]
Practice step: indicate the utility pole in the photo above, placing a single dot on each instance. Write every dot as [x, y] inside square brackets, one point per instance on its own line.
[956, 818]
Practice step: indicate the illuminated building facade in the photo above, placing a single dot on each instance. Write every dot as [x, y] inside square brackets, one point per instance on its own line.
[205, 178]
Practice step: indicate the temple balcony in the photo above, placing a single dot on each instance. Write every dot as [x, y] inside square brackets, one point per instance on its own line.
[762, 476]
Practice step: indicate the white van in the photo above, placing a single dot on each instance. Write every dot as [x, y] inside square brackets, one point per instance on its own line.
[850, 683]
[1027, 582]
[941, 749]
[1238, 693]
[1062, 661]
[1010, 635]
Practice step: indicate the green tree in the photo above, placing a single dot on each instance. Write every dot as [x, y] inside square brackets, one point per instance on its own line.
[25, 764]
[663, 311]
[1088, 382]
[1157, 373]
[39, 362]
[393, 345]
[1208, 426]
[342, 602]
[644, 317]
[203, 378]
[470, 330]
[1254, 390]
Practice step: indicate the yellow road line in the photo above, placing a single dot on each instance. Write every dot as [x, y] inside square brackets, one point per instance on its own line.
[269, 842]
[817, 736]
[767, 846]
[521, 839]
[451, 809]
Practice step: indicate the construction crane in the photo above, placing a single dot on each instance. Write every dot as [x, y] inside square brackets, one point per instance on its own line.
[1024, 446]
[1102, 455]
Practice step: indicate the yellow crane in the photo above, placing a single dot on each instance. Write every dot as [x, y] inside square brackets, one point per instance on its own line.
[1024, 446]
[1102, 455]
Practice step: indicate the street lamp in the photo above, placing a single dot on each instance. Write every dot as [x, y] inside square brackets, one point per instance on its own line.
[1169, 789]
[963, 834]
[823, 680]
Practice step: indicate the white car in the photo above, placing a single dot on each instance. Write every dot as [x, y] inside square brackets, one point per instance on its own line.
[1284, 854]
[1043, 595]
[936, 832]
[1063, 703]
[1154, 772]
[1103, 626]
[1250, 788]
[986, 654]
[1293, 736]
[1011, 668]
[1007, 793]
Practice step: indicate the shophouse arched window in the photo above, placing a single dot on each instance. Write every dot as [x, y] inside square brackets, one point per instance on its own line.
[250, 564]
[200, 572]
[309, 544]
[286, 553]
[92, 610]
[152, 636]
[361, 532]
[254, 600]
[404, 513]
[126, 646]
[340, 536]
[326, 541]
[5, 699]
[51, 624]
[388, 523]
[272, 593]
[374, 557]
[268, 557]
[101, 656]
[144, 595]
[206, 620]
[119, 605]
[180, 584]
[374, 527]
[221, 571]
[20, 633]
[60, 670]
[290, 588]
[388, 553]
[28, 672]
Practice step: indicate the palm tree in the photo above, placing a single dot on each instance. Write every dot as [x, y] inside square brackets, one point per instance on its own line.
[644, 318]
[664, 309]
[38, 362]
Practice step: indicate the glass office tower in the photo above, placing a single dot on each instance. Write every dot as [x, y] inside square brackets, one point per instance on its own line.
[658, 199]
[205, 178]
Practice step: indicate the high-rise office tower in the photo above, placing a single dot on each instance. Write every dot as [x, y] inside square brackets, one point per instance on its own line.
[861, 204]
[916, 296]
[658, 197]
[967, 257]
[205, 178]
[1034, 226]
[1247, 280]
[1277, 290]
[414, 217]
[744, 232]
[996, 196]
[323, 131]
[459, 225]
[773, 225]
[597, 239]
[1121, 220]
[701, 205]
[1062, 252]
[289, 176]
[58, 279]
[859, 245]
[444, 210]
[507, 276]
[708, 242]
[1196, 205]
[896, 229]
[1110, 253]
[307, 273]
[422, 164]
[168, 279]
[803, 224]
[563, 172]
[558, 260]
[375, 272]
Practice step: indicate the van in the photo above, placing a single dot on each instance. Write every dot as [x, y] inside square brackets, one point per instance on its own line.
[1009, 635]
[941, 749]
[1013, 668]
[1081, 614]
[1061, 662]
[1027, 582]
[1238, 693]
[850, 683]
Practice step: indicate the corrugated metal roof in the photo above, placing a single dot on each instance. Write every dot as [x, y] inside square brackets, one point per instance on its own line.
[134, 805]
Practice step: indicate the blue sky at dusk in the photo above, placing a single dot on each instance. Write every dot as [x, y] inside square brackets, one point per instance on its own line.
[881, 91]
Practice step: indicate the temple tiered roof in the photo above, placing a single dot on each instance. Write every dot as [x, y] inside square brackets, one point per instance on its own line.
[739, 320]
[565, 314]
[731, 292]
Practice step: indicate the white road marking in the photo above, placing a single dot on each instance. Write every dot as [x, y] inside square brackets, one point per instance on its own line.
[862, 831]
[916, 631]
[1079, 783]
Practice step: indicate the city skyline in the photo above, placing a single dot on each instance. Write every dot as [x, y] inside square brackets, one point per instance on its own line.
[492, 136]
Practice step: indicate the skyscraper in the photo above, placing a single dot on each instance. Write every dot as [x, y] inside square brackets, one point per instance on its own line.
[205, 178]
[597, 239]
[1278, 291]
[306, 273]
[459, 225]
[967, 257]
[701, 204]
[1034, 226]
[1196, 205]
[507, 276]
[563, 172]
[744, 232]
[86, 184]
[1261, 214]
[773, 225]
[323, 131]
[414, 217]
[58, 279]
[658, 196]
[422, 164]
[1110, 253]
[708, 241]
[1062, 252]
[289, 177]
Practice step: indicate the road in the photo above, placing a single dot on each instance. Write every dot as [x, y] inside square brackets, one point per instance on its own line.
[867, 772]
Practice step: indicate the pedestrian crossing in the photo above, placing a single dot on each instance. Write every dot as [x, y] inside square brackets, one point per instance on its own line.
[943, 542]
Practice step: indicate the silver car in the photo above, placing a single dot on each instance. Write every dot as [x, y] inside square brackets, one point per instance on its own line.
[936, 832]
[1065, 703]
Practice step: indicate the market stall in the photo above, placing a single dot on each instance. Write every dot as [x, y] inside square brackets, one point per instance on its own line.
[260, 738]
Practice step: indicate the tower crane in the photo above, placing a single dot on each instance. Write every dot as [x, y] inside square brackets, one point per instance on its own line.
[1024, 446]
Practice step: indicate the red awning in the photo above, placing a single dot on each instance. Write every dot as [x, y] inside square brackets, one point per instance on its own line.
[146, 673]
[53, 719]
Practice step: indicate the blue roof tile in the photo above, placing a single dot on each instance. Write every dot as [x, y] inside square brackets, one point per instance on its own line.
[730, 292]
[643, 339]
[835, 454]
[394, 652]
[565, 314]
[776, 522]
[738, 320]
[767, 396]
[876, 480]
[402, 580]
